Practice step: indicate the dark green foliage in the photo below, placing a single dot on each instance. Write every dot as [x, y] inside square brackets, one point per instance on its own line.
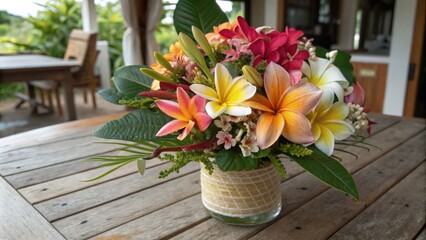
[278, 165]
[297, 150]
[328, 170]
[233, 160]
[141, 124]
[181, 159]
[202, 14]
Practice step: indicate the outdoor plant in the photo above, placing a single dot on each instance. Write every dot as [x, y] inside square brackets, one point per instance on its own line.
[235, 97]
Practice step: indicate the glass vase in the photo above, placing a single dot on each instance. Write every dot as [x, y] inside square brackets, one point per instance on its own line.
[242, 197]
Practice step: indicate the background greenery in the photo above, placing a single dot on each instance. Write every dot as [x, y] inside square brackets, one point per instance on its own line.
[47, 33]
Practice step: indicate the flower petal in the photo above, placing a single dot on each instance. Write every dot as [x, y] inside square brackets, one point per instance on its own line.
[238, 110]
[260, 102]
[171, 126]
[269, 128]
[214, 109]
[336, 88]
[277, 80]
[297, 128]
[172, 109]
[316, 131]
[333, 74]
[325, 143]
[340, 129]
[338, 111]
[186, 131]
[184, 102]
[324, 104]
[222, 81]
[203, 121]
[239, 91]
[306, 69]
[197, 104]
[318, 66]
[205, 92]
[302, 97]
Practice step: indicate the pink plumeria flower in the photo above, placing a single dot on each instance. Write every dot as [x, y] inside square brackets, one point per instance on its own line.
[187, 112]
[225, 139]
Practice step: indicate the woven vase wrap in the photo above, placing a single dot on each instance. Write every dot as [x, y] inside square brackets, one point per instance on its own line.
[241, 193]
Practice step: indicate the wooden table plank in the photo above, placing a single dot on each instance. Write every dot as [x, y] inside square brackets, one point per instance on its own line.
[307, 222]
[54, 133]
[168, 220]
[72, 203]
[88, 223]
[19, 220]
[38, 161]
[398, 214]
[55, 188]
[306, 188]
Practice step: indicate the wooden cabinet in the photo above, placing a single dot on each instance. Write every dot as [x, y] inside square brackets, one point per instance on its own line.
[372, 77]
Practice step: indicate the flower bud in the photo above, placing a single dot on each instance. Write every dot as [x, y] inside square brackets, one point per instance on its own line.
[162, 61]
[252, 76]
[204, 43]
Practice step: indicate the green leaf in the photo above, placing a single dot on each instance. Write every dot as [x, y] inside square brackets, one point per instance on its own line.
[329, 171]
[141, 124]
[229, 160]
[112, 95]
[202, 14]
[130, 81]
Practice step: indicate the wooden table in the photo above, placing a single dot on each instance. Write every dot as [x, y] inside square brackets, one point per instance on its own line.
[43, 196]
[25, 68]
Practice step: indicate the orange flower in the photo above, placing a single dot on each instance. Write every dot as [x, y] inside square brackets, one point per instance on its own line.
[284, 109]
[215, 37]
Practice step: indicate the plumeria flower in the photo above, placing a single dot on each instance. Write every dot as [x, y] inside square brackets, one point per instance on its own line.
[284, 108]
[326, 76]
[187, 112]
[225, 139]
[229, 95]
[249, 145]
[328, 123]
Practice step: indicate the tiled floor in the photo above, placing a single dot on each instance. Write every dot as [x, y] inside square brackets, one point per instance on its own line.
[14, 121]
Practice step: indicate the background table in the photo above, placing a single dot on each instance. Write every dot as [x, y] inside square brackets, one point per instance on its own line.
[43, 196]
[25, 68]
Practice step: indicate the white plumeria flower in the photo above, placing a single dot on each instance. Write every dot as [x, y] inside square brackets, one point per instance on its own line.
[328, 123]
[228, 96]
[249, 145]
[225, 139]
[326, 76]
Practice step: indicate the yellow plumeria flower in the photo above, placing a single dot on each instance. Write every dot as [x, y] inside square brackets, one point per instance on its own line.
[229, 95]
[328, 123]
[326, 76]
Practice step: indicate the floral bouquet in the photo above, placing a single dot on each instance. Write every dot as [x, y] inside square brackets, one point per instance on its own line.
[235, 98]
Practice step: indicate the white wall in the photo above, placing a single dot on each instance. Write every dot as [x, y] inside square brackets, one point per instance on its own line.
[402, 34]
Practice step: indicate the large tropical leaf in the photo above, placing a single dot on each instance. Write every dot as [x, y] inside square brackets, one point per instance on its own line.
[203, 14]
[141, 124]
[229, 160]
[129, 80]
[328, 170]
[112, 95]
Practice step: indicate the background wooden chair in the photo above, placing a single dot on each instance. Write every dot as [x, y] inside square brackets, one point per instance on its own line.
[82, 47]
